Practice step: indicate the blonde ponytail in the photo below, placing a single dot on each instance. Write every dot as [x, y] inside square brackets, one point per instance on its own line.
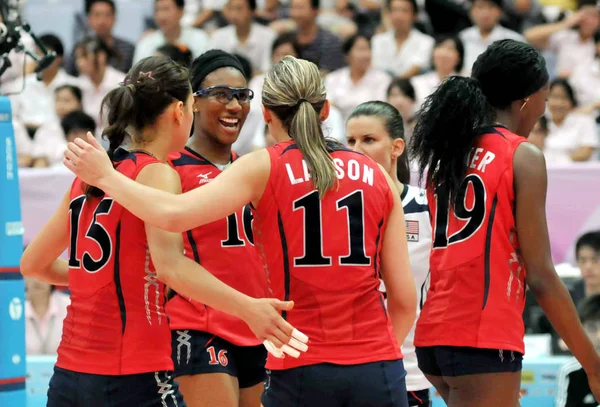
[295, 92]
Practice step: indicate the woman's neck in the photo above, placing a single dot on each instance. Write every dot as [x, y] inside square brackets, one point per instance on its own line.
[279, 134]
[214, 152]
[98, 76]
[393, 173]
[558, 120]
[504, 118]
[40, 304]
[357, 74]
[156, 148]
[443, 74]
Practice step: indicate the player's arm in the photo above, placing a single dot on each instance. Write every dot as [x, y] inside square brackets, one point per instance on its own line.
[530, 185]
[395, 268]
[190, 279]
[241, 183]
[40, 259]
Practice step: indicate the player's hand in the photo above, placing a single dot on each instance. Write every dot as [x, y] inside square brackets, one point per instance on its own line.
[88, 160]
[594, 381]
[279, 337]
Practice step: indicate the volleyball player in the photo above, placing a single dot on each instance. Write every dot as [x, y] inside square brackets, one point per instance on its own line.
[115, 349]
[486, 188]
[376, 129]
[218, 360]
[327, 223]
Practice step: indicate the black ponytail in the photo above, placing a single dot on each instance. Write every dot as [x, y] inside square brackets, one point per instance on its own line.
[148, 89]
[445, 132]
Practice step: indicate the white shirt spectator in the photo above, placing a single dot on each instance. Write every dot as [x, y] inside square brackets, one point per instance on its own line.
[195, 39]
[416, 50]
[22, 140]
[334, 128]
[585, 81]
[44, 334]
[346, 95]
[475, 45]
[577, 130]
[571, 51]
[50, 143]
[257, 47]
[35, 105]
[424, 86]
[92, 95]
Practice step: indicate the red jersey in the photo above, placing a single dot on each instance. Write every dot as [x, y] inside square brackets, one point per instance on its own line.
[226, 249]
[477, 290]
[116, 323]
[324, 255]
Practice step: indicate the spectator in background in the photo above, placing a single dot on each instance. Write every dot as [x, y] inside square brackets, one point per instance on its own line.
[573, 386]
[283, 46]
[358, 82]
[97, 77]
[571, 40]
[209, 14]
[401, 95]
[538, 134]
[76, 125]
[447, 60]
[572, 136]
[585, 81]
[402, 51]
[101, 21]
[45, 310]
[168, 14]
[35, 105]
[587, 253]
[486, 15]
[244, 36]
[316, 44]
[178, 53]
[49, 142]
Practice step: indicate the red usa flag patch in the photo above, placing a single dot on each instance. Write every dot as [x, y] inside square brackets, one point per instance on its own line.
[412, 230]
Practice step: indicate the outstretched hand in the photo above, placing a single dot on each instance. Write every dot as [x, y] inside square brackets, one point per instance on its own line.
[88, 160]
[279, 337]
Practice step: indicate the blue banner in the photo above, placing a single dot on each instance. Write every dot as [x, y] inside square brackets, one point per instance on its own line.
[12, 291]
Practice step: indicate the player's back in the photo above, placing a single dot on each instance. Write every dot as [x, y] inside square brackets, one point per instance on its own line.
[226, 249]
[324, 255]
[116, 323]
[477, 288]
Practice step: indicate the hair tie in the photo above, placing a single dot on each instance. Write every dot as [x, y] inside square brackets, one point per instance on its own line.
[300, 101]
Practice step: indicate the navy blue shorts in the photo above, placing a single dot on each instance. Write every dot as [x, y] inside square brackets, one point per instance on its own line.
[73, 389]
[454, 361]
[377, 384]
[419, 398]
[197, 352]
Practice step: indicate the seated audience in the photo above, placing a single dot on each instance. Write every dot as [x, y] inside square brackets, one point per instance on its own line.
[486, 16]
[45, 310]
[570, 40]
[168, 14]
[49, 141]
[358, 82]
[244, 36]
[447, 60]
[571, 136]
[402, 51]
[178, 53]
[401, 95]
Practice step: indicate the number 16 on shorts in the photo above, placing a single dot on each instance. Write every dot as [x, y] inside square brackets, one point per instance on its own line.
[217, 358]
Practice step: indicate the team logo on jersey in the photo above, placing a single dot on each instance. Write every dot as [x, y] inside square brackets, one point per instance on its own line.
[412, 230]
[204, 178]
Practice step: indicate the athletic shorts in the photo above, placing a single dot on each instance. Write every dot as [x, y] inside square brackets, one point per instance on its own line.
[73, 389]
[377, 384]
[453, 361]
[197, 352]
[419, 398]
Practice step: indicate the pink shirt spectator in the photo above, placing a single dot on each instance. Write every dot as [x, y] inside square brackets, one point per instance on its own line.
[43, 334]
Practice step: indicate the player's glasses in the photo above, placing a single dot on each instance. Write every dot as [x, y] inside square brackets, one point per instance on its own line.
[224, 94]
